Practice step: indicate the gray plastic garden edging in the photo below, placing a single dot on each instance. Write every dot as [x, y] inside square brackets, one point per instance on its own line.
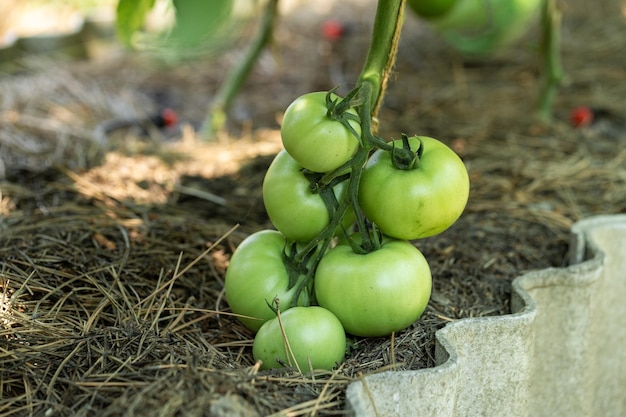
[561, 353]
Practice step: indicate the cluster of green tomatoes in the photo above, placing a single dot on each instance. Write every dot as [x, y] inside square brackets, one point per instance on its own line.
[345, 205]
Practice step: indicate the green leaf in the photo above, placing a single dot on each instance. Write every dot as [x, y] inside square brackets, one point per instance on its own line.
[131, 15]
[199, 20]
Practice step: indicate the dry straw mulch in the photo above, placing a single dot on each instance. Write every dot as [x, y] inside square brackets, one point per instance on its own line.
[112, 259]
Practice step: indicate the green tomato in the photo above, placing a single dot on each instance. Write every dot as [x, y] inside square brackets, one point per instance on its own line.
[429, 9]
[317, 142]
[295, 211]
[256, 275]
[479, 27]
[415, 203]
[377, 293]
[315, 336]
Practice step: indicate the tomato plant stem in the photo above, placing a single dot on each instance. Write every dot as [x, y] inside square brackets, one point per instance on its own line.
[550, 52]
[216, 117]
[383, 49]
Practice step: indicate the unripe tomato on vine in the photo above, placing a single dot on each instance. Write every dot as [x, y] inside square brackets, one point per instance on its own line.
[419, 201]
[294, 209]
[375, 293]
[257, 275]
[313, 138]
[305, 337]
[478, 26]
[429, 9]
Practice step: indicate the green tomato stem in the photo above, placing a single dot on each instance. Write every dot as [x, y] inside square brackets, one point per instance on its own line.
[352, 197]
[383, 49]
[328, 232]
[216, 118]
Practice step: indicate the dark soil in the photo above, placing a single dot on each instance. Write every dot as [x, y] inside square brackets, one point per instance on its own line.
[112, 257]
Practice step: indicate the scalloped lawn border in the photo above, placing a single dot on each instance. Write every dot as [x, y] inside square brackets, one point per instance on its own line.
[560, 353]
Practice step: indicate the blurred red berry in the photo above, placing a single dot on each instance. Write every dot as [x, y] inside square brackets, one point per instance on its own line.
[333, 30]
[169, 117]
[581, 116]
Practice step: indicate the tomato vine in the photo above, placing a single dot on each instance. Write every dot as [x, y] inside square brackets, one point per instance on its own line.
[366, 97]
[331, 145]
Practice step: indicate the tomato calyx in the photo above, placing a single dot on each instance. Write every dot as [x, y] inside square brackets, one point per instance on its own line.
[367, 241]
[274, 305]
[338, 109]
[405, 158]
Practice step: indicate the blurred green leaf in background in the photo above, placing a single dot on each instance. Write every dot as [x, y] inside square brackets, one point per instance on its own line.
[199, 20]
[198, 24]
[131, 15]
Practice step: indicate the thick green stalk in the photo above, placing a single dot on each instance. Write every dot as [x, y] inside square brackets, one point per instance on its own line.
[383, 49]
[551, 55]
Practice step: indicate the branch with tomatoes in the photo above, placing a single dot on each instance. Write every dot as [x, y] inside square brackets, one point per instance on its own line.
[346, 204]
